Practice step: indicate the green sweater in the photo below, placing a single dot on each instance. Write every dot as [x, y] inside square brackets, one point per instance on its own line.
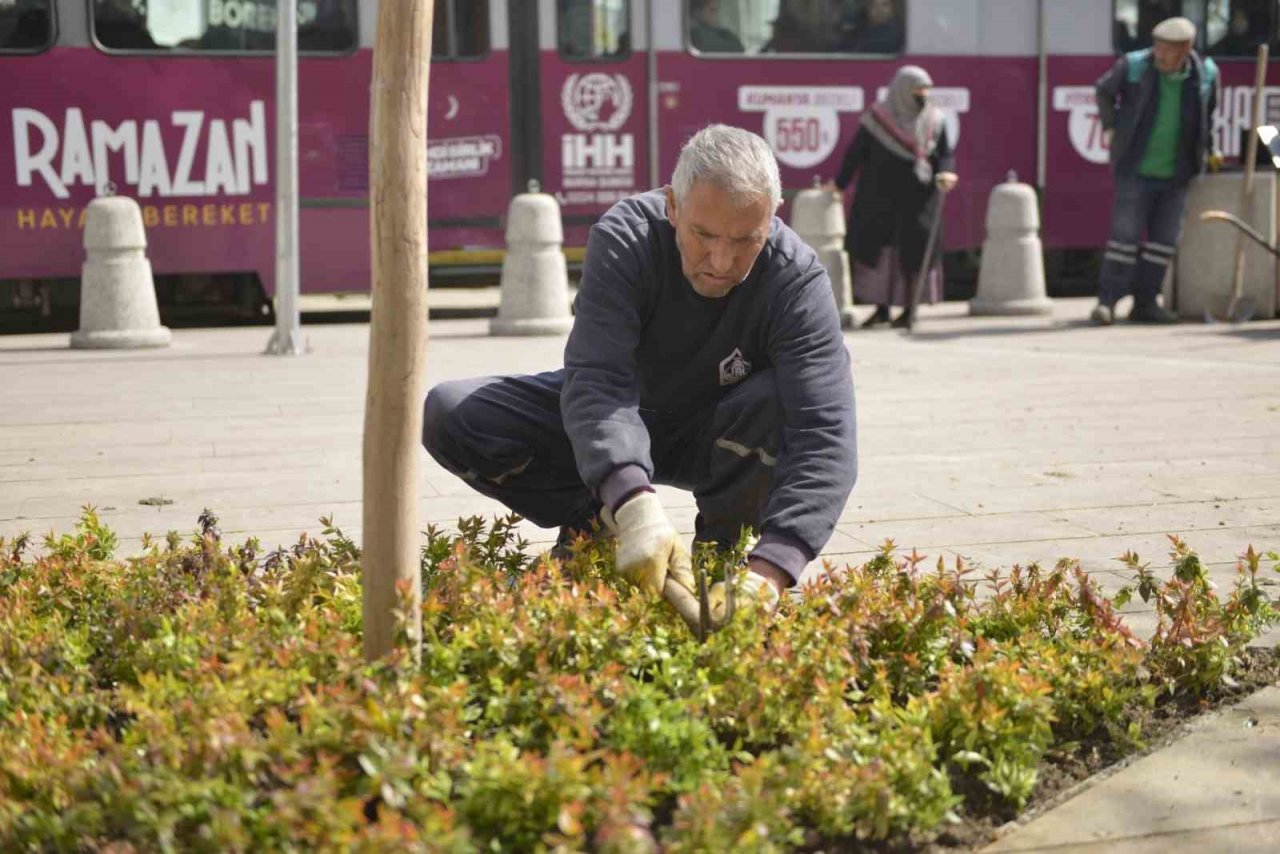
[1160, 160]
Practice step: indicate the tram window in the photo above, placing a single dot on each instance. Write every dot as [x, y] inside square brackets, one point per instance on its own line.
[1223, 27]
[460, 29]
[25, 25]
[796, 26]
[1237, 27]
[594, 29]
[1135, 19]
[324, 26]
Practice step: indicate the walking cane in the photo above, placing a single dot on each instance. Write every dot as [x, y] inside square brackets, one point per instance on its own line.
[925, 263]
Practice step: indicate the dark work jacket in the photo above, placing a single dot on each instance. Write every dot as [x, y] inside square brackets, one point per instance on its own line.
[1128, 95]
[890, 205]
[644, 339]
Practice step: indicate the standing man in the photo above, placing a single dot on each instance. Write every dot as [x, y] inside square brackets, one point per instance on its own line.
[706, 354]
[1156, 107]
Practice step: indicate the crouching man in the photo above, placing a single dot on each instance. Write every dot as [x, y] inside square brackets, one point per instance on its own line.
[706, 353]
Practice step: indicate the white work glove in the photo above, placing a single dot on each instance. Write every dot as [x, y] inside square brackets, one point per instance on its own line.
[752, 588]
[648, 546]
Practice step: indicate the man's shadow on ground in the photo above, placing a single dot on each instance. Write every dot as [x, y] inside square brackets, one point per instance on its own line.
[1270, 332]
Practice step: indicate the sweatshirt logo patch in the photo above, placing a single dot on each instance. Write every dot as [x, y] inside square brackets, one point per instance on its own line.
[734, 368]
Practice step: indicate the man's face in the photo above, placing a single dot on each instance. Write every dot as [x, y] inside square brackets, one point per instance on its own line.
[880, 11]
[1170, 55]
[708, 12]
[718, 236]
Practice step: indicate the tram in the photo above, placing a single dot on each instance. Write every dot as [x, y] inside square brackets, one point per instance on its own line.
[171, 102]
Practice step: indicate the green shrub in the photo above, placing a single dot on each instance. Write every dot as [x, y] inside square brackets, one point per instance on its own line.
[206, 696]
[1199, 639]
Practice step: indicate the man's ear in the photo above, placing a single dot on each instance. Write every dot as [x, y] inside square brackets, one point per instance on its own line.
[671, 204]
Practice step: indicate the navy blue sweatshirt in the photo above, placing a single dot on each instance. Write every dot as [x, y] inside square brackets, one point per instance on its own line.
[643, 338]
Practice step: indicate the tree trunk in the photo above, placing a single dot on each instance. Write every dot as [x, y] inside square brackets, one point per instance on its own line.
[397, 323]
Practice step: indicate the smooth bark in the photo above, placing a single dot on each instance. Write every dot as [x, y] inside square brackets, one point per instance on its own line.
[397, 324]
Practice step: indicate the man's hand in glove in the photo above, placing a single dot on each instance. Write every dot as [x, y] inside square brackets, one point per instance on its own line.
[757, 584]
[648, 545]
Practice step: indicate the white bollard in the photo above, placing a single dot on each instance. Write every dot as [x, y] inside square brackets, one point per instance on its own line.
[117, 296]
[817, 216]
[1011, 279]
[534, 299]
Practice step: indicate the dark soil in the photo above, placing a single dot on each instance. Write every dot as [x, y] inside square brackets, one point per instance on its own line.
[1063, 772]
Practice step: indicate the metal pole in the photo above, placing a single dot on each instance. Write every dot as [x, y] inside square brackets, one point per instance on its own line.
[1042, 95]
[451, 27]
[652, 73]
[286, 340]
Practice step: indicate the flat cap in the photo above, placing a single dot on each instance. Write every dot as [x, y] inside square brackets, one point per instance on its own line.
[1174, 30]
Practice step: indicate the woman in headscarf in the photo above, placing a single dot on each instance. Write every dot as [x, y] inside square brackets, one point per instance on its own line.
[903, 160]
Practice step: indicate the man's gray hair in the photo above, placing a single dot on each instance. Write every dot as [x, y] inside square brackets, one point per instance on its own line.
[731, 158]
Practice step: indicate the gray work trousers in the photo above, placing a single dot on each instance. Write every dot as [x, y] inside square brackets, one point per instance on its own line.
[505, 437]
[1153, 206]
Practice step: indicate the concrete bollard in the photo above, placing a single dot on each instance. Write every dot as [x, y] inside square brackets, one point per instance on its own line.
[117, 296]
[534, 297]
[817, 215]
[1011, 279]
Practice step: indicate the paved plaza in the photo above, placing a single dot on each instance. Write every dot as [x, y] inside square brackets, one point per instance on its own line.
[997, 440]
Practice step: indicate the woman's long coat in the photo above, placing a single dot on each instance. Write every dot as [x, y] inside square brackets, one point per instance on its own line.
[890, 205]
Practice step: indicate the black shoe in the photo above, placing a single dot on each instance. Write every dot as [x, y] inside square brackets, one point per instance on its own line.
[561, 552]
[880, 315]
[1151, 312]
[901, 321]
[563, 549]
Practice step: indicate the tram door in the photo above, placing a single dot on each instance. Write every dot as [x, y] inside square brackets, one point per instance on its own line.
[470, 143]
[588, 143]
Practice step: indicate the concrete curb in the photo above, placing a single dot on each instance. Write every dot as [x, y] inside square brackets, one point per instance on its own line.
[1212, 786]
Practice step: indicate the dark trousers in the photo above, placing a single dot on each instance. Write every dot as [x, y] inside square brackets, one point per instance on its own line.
[1153, 206]
[505, 437]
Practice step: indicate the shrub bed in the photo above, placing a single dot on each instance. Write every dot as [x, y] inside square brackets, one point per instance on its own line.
[206, 696]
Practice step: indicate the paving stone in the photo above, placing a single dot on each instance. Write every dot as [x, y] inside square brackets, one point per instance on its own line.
[966, 529]
[1007, 440]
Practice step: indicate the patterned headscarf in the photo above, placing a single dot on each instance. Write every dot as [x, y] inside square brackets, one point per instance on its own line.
[901, 125]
